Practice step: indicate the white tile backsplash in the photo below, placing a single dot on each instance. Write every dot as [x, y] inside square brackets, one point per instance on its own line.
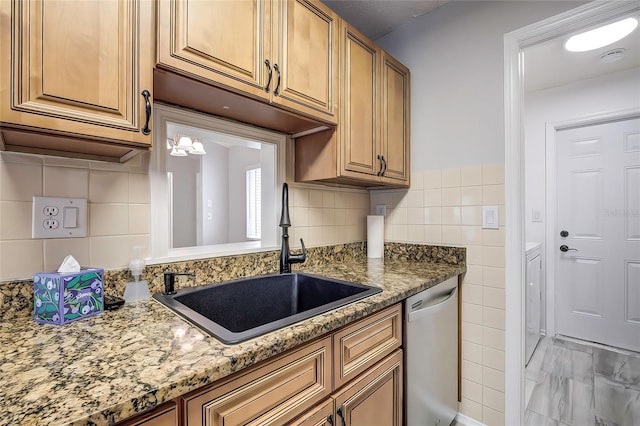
[452, 201]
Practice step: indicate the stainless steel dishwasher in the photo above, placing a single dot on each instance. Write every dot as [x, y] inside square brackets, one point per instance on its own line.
[431, 344]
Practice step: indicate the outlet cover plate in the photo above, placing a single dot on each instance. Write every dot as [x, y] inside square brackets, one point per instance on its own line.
[54, 217]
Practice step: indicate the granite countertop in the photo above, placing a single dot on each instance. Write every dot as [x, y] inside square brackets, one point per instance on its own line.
[106, 368]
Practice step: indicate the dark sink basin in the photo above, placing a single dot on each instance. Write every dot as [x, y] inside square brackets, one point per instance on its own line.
[239, 310]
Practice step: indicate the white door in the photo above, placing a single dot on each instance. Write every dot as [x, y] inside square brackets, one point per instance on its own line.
[598, 190]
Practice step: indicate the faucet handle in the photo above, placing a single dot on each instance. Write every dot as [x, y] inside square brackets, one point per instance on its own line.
[304, 250]
[299, 258]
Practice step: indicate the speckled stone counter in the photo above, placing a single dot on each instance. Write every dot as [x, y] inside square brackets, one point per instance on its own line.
[109, 367]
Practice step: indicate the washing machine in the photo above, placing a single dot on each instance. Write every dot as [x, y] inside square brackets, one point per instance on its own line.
[533, 295]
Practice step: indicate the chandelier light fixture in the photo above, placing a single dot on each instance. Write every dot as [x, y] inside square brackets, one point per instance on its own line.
[182, 145]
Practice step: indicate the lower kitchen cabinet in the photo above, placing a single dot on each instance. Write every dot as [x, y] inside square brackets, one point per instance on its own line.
[350, 377]
[272, 394]
[359, 346]
[374, 398]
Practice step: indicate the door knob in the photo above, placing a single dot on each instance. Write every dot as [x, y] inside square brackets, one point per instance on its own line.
[564, 234]
[564, 248]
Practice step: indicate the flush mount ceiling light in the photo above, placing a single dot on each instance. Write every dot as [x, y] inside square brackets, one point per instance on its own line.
[600, 37]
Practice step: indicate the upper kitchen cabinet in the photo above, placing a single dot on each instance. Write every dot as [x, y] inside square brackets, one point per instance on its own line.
[370, 146]
[305, 36]
[394, 123]
[76, 77]
[359, 129]
[279, 51]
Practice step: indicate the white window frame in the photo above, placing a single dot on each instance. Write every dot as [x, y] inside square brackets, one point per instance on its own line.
[160, 250]
[254, 218]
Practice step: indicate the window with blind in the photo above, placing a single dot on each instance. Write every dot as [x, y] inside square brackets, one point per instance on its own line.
[254, 191]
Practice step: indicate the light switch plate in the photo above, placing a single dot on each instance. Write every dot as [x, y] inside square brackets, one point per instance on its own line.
[59, 217]
[536, 215]
[490, 217]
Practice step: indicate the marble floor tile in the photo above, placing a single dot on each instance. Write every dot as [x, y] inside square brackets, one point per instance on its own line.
[553, 398]
[616, 403]
[568, 363]
[583, 404]
[529, 385]
[579, 385]
[617, 367]
[561, 399]
[533, 370]
[531, 418]
[603, 422]
[539, 399]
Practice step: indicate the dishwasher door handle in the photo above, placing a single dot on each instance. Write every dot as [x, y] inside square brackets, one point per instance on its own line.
[433, 305]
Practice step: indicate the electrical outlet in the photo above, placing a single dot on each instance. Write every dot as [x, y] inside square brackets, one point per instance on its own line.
[50, 224]
[381, 209]
[51, 210]
[59, 217]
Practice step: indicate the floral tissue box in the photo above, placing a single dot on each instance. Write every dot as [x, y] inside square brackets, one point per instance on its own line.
[60, 298]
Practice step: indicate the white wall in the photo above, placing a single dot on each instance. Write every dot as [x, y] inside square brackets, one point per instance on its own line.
[456, 58]
[185, 170]
[613, 92]
[215, 187]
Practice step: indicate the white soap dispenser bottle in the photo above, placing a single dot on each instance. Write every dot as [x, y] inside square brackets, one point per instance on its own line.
[136, 289]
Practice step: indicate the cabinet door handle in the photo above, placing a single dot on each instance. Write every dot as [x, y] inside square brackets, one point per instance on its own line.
[381, 166]
[341, 414]
[330, 419]
[268, 64]
[147, 109]
[384, 163]
[277, 68]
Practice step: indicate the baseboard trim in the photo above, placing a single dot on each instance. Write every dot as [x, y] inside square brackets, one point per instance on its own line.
[467, 421]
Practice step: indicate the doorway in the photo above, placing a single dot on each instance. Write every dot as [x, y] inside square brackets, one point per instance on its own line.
[518, 214]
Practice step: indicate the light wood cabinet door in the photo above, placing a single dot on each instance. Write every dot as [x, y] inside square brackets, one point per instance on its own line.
[305, 38]
[375, 398]
[222, 41]
[395, 120]
[360, 127]
[371, 145]
[269, 395]
[78, 67]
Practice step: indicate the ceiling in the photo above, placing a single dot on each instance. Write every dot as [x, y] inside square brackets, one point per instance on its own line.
[550, 65]
[375, 18]
[546, 65]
